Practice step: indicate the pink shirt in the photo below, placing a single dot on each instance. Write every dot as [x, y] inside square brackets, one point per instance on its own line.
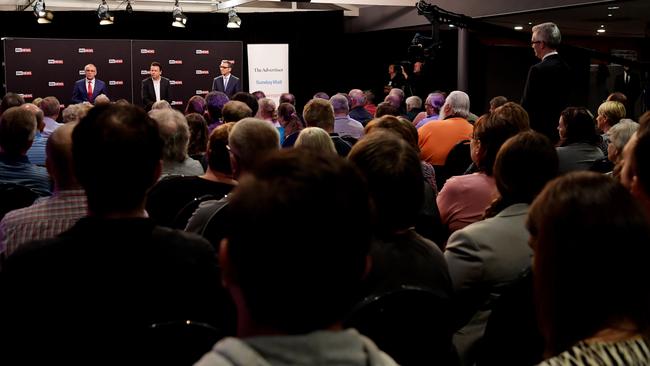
[464, 198]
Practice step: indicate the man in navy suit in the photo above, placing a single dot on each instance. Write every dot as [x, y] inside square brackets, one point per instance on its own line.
[548, 87]
[227, 82]
[88, 88]
[156, 87]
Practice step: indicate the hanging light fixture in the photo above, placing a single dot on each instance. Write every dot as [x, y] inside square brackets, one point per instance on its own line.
[180, 19]
[42, 16]
[129, 8]
[105, 17]
[233, 20]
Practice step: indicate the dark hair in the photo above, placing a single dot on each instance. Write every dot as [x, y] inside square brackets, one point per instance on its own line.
[498, 101]
[116, 152]
[394, 174]
[259, 94]
[386, 109]
[403, 129]
[156, 63]
[196, 104]
[524, 164]
[287, 112]
[289, 284]
[580, 126]
[17, 129]
[590, 241]
[249, 99]
[215, 100]
[641, 159]
[198, 134]
[235, 111]
[218, 155]
[287, 98]
[494, 129]
[11, 99]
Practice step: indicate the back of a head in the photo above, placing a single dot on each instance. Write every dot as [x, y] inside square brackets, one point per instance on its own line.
[399, 93]
[235, 110]
[358, 97]
[315, 139]
[198, 133]
[250, 140]
[549, 33]
[403, 129]
[394, 174]
[258, 94]
[196, 104]
[249, 99]
[214, 101]
[50, 106]
[287, 98]
[38, 113]
[497, 102]
[218, 155]
[175, 133]
[459, 103]
[161, 104]
[614, 111]
[319, 113]
[59, 156]
[617, 97]
[17, 130]
[524, 164]
[11, 99]
[394, 100]
[116, 152]
[266, 108]
[102, 99]
[494, 129]
[413, 102]
[75, 112]
[321, 95]
[340, 103]
[286, 111]
[588, 234]
[580, 126]
[386, 109]
[308, 279]
[621, 133]
[436, 100]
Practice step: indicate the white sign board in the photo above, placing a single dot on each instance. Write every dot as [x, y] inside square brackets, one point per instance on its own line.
[268, 69]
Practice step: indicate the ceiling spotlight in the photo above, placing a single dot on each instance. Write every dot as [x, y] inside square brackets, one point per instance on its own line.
[609, 15]
[233, 20]
[518, 27]
[42, 16]
[530, 23]
[105, 17]
[601, 30]
[613, 8]
[129, 8]
[180, 19]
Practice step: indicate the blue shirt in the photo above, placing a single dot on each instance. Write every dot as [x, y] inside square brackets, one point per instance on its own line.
[21, 171]
[36, 153]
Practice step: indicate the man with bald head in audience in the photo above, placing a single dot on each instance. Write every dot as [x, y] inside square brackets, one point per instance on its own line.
[52, 215]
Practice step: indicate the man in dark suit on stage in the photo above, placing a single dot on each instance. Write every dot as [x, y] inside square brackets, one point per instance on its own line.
[548, 87]
[156, 87]
[227, 82]
[88, 88]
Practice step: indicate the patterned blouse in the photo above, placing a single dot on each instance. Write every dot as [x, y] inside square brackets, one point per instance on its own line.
[631, 352]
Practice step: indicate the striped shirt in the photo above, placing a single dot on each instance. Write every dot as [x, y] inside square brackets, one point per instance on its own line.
[36, 153]
[21, 171]
[631, 352]
[44, 219]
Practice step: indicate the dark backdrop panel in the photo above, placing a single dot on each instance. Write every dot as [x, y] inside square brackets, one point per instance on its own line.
[190, 65]
[44, 67]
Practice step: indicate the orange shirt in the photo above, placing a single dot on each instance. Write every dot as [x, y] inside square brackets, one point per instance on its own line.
[437, 138]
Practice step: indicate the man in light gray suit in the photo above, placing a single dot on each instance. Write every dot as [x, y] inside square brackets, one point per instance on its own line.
[227, 82]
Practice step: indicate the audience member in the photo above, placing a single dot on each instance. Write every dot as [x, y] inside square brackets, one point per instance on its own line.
[609, 114]
[198, 138]
[196, 104]
[258, 94]
[370, 105]
[321, 95]
[315, 139]
[497, 102]
[579, 140]
[319, 113]
[11, 99]
[290, 123]
[36, 153]
[357, 108]
[344, 125]
[161, 104]
[288, 98]
[175, 133]
[215, 100]
[75, 112]
[432, 106]
[618, 136]
[51, 109]
[249, 99]
[413, 107]
[234, 111]
[386, 109]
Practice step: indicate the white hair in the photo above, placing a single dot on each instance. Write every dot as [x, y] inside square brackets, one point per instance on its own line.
[459, 103]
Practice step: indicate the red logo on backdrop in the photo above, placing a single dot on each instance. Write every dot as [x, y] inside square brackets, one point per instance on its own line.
[115, 82]
[26, 96]
[22, 50]
[175, 62]
[55, 83]
[177, 102]
[199, 92]
[175, 82]
[202, 52]
[52, 61]
[86, 50]
[146, 51]
[202, 72]
[23, 73]
[115, 61]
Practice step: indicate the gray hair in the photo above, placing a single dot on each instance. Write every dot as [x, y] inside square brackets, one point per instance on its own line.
[266, 107]
[315, 139]
[548, 33]
[161, 104]
[459, 103]
[102, 99]
[340, 103]
[251, 139]
[174, 131]
[397, 91]
[620, 133]
[358, 96]
[413, 102]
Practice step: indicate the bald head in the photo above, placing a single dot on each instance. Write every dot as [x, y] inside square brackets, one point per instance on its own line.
[38, 113]
[59, 157]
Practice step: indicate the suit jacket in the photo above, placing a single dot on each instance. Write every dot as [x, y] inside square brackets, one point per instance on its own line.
[80, 93]
[547, 93]
[149, 94]
[234, 86]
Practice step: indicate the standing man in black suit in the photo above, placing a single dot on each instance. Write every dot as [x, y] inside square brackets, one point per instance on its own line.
[548, 86]
[629, 84]
[227, 82]
[156, 87]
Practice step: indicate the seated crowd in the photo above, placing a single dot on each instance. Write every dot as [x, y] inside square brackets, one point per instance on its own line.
[116, 220]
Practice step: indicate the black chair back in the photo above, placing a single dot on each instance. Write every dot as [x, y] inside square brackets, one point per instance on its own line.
[14, 196]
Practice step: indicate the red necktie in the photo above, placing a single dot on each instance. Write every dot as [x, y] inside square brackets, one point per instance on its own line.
[90, 91]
